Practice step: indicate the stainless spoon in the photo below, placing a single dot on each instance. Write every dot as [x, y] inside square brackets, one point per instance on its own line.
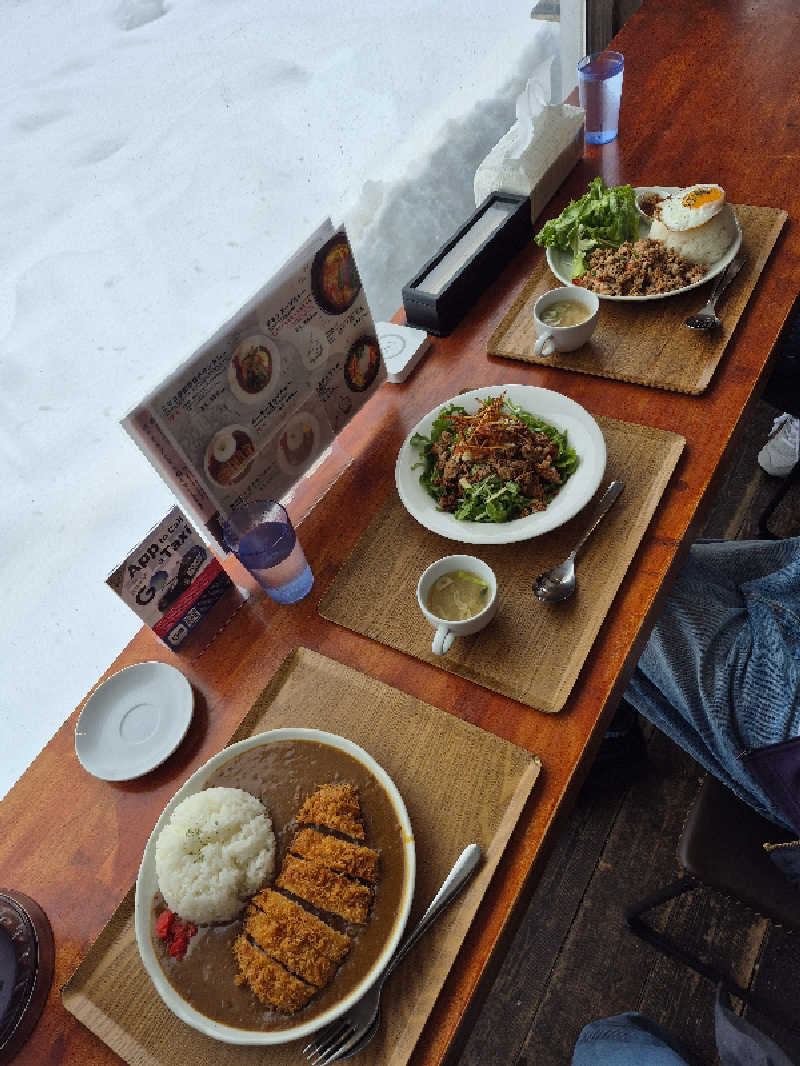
[706, 317]
[559, 583]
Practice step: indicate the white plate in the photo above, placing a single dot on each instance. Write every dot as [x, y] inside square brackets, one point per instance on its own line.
[583, 434]
[561, 262]
[147, 884]
[133, 721]
[263, 341]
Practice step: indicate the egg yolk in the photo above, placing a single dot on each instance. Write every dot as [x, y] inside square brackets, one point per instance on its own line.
[699, 197]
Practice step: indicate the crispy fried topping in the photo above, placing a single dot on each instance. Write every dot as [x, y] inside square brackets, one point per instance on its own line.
[353, 859]
[326, 889]
[271, 983]
[335, 807]
[494, 441]
[304, 927]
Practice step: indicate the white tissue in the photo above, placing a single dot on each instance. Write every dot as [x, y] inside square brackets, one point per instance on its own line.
[531, 102]
[535, 156]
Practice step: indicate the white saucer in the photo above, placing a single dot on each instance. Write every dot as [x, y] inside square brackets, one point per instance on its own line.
[133, 721]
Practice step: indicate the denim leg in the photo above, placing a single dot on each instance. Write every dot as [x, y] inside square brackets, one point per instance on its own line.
[720, 673]
[628, 1039]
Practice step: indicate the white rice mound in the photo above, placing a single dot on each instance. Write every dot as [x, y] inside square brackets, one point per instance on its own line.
[702, 244]
[216, 850]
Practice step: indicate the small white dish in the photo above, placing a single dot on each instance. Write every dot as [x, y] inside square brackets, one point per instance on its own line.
[133, 721]
[651, 194]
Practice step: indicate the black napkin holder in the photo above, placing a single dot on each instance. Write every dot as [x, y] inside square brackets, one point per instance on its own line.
[446, 288]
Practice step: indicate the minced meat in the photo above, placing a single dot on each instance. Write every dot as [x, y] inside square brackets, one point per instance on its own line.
[638, 268]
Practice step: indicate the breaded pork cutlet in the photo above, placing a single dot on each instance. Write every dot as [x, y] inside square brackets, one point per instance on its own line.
[279, 942]
[321, 937]
[273, 985]
[287, 933]
[334, 807]
[325, 889]
[352, 859]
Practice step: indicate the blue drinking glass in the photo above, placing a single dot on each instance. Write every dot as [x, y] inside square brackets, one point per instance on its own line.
[599, 91]
[263, 539]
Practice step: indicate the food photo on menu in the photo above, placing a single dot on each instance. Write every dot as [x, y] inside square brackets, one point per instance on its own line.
[254, 365]
[255, 407]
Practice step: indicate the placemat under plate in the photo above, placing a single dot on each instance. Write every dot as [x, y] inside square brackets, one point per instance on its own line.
[475, 794]
[532, 652]
[647, 342]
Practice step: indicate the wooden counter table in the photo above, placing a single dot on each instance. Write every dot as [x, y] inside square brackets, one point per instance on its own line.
[710, 94]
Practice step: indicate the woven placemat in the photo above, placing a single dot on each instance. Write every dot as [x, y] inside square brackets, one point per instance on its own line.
[475, 795]
[532, 652]
[648, 343]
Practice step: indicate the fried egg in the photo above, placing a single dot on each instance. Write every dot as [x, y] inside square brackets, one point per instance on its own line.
[692, 207]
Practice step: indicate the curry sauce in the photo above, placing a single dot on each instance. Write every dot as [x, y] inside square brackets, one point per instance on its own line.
[283, 775]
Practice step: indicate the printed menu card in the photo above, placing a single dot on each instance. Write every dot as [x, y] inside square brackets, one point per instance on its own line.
[259, 403]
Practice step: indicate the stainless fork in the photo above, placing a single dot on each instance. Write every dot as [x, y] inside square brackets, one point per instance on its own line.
[335, 1041]
[706, 317]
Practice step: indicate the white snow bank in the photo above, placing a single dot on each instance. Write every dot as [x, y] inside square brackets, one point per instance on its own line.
[163, 157]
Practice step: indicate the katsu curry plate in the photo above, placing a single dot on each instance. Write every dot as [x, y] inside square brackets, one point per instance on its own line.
[275, 886]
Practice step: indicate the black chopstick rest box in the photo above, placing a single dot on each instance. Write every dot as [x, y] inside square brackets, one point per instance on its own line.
[445, 289]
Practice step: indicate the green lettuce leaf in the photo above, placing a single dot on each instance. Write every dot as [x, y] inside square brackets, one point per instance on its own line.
[602, 217]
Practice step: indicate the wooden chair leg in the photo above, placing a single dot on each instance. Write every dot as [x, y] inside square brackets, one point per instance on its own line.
[634, 919]
[764, 531]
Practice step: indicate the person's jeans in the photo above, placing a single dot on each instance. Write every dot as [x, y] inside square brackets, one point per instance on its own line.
[720, 673]
[634, 1040]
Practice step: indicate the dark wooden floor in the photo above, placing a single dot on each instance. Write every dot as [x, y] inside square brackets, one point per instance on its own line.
[573, 959]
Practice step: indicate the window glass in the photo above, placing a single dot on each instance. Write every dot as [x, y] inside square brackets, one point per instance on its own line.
[163, 157]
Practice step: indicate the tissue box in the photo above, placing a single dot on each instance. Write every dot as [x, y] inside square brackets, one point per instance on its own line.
[556, 147]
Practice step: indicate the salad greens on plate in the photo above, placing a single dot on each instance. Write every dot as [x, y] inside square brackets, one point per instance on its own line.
[495, 465]
[602, 218]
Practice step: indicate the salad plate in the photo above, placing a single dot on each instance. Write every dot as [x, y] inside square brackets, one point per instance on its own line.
[583, 435]
[560, 262]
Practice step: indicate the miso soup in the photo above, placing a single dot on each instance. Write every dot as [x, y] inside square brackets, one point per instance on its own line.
[565, 313]
[458, 595]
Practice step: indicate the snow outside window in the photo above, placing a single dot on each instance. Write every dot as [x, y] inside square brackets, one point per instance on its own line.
[163, 157]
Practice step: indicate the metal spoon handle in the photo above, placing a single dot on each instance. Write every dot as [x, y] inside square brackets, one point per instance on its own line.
[463, 869]
[722, 282]
[606, 500]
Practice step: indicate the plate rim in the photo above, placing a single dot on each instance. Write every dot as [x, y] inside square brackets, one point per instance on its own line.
[717, 268]
[179, 1006]
[185, 709]
[488, 534]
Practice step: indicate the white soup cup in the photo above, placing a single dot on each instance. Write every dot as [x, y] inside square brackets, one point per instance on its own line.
[564, 338]
[447, 630]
